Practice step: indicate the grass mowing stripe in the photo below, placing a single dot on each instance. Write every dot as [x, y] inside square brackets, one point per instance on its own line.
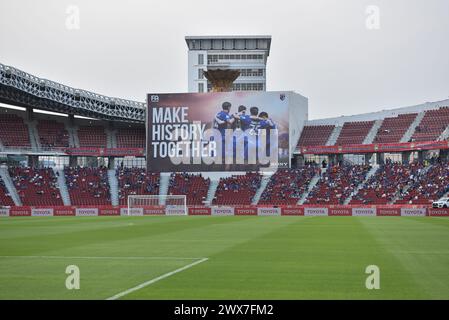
[147, 283]
[249, 257]
[420, 247]
[99, 257]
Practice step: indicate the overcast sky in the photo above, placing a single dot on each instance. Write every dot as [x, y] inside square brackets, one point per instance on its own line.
[334, 52]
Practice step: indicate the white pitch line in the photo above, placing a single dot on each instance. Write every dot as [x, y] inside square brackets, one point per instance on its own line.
[147, 283]
[99, 257]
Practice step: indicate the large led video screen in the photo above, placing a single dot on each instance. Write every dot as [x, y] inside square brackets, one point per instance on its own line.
[222, 131]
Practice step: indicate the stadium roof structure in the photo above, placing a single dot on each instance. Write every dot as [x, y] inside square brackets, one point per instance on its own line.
[245, 42]
[23, 89]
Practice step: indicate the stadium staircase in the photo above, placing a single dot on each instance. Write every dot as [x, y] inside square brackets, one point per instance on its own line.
[334, 136]
[411, 130]
[34, 135]
[113, 187]
[211, 192]
[164, 183]
[10, 185]
[73, 137]
[370, 173]
[311, 185]
[62, 185]
[263, 185]
[76, 137]
[445, 134]
[112, 134]
[109, 138]
[373, 132]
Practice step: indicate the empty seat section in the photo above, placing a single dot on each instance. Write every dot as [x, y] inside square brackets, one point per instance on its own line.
[92, 136]
[52, 134]
[393, 129]
[13, 131]
[354, 132]
[432, 125]
[131, 137]
[315, 135]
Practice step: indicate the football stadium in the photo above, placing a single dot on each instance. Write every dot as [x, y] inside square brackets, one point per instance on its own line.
[227, 191]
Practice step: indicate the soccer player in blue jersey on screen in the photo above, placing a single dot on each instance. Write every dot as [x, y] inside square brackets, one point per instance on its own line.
[223, 120]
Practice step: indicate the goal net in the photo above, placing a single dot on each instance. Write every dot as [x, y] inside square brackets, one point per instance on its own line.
[170, 205]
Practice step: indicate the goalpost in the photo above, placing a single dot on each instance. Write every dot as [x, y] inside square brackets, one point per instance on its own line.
[170, 205]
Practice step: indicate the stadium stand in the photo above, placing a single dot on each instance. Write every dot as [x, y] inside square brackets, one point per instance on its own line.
[354, 132]
[132, 181]
[393, 129]
[337, 183]
[194, 186]
[288, 185]
[315, 135]
[427, 186]
[13, 131]
[92, 136]
[237, 189]
[131, 137]
[36, 186]
[52, 134]
[388, 181]
[5, 198]
[88, 186]
[432, 125]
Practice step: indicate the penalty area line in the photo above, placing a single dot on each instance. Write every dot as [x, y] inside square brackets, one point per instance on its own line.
[149, 282]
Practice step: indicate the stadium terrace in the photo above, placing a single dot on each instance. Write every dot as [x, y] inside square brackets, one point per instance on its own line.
[395, 158]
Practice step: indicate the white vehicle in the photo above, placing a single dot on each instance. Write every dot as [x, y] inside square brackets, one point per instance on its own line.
[442, 203]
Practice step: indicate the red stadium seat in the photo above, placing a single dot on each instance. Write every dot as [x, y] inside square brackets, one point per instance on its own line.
[354, 132]
[287, 186]
[432, 125]
[237, 189]
[393, 129]
[5, 197]
[315, 135]
[136, 181]
[36, 186]
[195, 187]
[52, 134]
[92, 136]
[337, 184]
[131, 137]
[13, 131]
[88, 186]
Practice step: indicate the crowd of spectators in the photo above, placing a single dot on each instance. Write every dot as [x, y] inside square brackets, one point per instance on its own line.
[237, 189]
[337, 183]
[389, 180]
[88, 186]
[36, 186]
[136, 181]
[193, 186]
[286, 186]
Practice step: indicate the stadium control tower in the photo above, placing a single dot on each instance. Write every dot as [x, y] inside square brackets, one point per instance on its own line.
[247, 54]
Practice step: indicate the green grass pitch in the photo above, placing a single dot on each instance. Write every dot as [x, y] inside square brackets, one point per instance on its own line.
[248, 257]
